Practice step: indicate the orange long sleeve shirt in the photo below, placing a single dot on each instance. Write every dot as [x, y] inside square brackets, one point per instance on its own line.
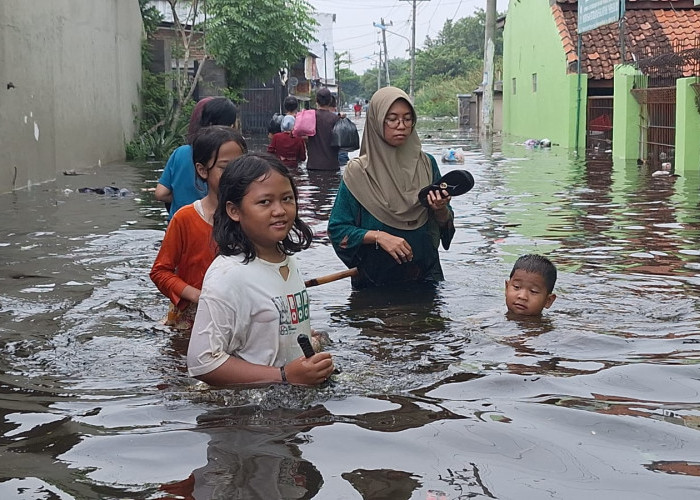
[185, 255]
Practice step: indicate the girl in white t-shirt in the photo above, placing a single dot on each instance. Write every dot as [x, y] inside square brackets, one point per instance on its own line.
[254, 302]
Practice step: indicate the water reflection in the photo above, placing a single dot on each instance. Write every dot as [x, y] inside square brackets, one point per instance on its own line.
[254, 454]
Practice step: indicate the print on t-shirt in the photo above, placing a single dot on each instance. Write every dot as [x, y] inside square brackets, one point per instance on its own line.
[293, 309]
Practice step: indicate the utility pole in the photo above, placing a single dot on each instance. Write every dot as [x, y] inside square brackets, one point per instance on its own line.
[386, 54]
[382, 27]
[325, 66]
[379, 73]
[486, 128]
[413, 47]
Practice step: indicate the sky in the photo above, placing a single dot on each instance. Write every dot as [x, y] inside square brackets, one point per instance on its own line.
[354, 32]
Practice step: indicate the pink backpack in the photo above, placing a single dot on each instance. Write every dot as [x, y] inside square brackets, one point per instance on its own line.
[305, 123]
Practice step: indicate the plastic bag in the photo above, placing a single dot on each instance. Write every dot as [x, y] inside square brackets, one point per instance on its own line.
[453, 156]
[305, 123]
[345, 135]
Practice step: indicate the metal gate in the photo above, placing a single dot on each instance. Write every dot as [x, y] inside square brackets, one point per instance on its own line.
[600, 126]
[655, 91]
[657, 124]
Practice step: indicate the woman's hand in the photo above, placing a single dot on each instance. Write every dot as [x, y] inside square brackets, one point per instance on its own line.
[309, 371]
[395, 246]
[437, 201]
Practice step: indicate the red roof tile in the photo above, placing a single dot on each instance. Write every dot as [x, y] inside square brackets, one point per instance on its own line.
[648, 31]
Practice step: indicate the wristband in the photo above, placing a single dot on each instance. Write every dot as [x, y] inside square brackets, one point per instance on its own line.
[284, 375]
[376, 240]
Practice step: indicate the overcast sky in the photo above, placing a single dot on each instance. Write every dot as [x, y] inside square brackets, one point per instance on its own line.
[354, 32]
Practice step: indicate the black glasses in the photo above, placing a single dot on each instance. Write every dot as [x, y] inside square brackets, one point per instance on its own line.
[393, 121]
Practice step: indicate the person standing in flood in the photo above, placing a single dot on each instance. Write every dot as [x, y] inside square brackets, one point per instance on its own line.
[177, 185]
[378, 223]
[321, 154]
[286, 146]
[188, 248]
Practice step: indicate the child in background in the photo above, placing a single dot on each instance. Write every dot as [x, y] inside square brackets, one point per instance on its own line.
[529, 289]
[177, 185]
[254, 302]
[188, 247]
[291, 106]
[288, 148]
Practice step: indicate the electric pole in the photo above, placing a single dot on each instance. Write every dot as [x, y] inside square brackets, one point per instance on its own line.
[486, 128]
[413, 47]
[325, 66]
[386, 54]
[382, 27]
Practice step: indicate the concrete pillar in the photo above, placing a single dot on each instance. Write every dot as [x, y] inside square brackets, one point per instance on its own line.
[625, 114]
[687, 127]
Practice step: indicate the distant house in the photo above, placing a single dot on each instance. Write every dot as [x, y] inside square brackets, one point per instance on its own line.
[317, 69]
[164, 59]
[640, 107]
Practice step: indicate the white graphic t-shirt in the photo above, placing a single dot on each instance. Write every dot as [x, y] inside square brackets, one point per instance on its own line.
[249, 311]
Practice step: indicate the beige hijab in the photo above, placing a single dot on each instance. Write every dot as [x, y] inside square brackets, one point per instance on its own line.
[386, 179]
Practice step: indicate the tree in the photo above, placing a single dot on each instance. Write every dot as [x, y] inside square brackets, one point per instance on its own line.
[458, 49]
[348, 81]
[257, 37]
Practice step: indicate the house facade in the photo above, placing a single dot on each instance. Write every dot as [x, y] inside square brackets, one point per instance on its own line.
[590, 96]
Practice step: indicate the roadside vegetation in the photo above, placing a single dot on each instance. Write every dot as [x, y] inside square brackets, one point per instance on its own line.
[236, 35]
[451, 63]
[248, 38]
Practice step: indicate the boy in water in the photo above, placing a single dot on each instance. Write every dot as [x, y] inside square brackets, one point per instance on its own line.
[529, 288]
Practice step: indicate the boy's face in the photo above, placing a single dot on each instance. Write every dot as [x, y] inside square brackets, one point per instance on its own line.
[526, 294]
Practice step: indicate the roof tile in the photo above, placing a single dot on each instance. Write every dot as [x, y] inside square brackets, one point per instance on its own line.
[648, 31]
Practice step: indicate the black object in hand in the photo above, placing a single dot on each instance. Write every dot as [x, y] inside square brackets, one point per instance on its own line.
[305, 345]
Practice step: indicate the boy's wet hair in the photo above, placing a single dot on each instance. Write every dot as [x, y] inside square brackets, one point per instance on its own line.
[208, 141]
[538, 264]
[233, 186]
[290, 103]
[218, 111]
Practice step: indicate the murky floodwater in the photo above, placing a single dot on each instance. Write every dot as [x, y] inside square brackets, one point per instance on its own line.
[438, 391]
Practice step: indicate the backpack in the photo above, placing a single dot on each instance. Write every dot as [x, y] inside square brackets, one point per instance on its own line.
[305, 123]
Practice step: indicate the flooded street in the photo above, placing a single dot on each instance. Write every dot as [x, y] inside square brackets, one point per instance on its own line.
[439, 392]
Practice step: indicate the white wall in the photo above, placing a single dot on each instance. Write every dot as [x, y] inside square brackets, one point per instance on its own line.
[76, 69]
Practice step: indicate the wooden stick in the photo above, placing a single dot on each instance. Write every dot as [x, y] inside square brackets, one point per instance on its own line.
[331, 277]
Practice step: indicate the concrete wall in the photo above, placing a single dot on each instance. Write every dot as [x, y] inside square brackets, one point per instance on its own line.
[75, 69]
[532, 46]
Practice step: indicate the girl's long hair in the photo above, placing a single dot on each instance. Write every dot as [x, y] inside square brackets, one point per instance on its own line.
[233, 186]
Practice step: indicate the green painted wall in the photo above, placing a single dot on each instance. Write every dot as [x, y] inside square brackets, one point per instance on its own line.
[687, 128]
[626, 109]
[532, 45]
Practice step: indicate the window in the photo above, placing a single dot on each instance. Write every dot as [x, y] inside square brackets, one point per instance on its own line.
[534, 82]
[513, 84]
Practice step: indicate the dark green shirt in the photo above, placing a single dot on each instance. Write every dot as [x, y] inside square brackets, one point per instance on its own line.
[350, 221]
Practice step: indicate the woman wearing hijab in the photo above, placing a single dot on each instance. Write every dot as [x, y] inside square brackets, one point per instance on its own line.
[377, 223]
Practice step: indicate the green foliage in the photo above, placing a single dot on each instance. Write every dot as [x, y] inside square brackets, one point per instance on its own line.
[458, 49]
[254, 38]
[400, 73]
[154, 141]
[350, 85]
[159, 143]
[438, 95]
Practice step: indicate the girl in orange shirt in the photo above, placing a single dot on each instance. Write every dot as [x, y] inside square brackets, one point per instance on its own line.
[188, 247]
